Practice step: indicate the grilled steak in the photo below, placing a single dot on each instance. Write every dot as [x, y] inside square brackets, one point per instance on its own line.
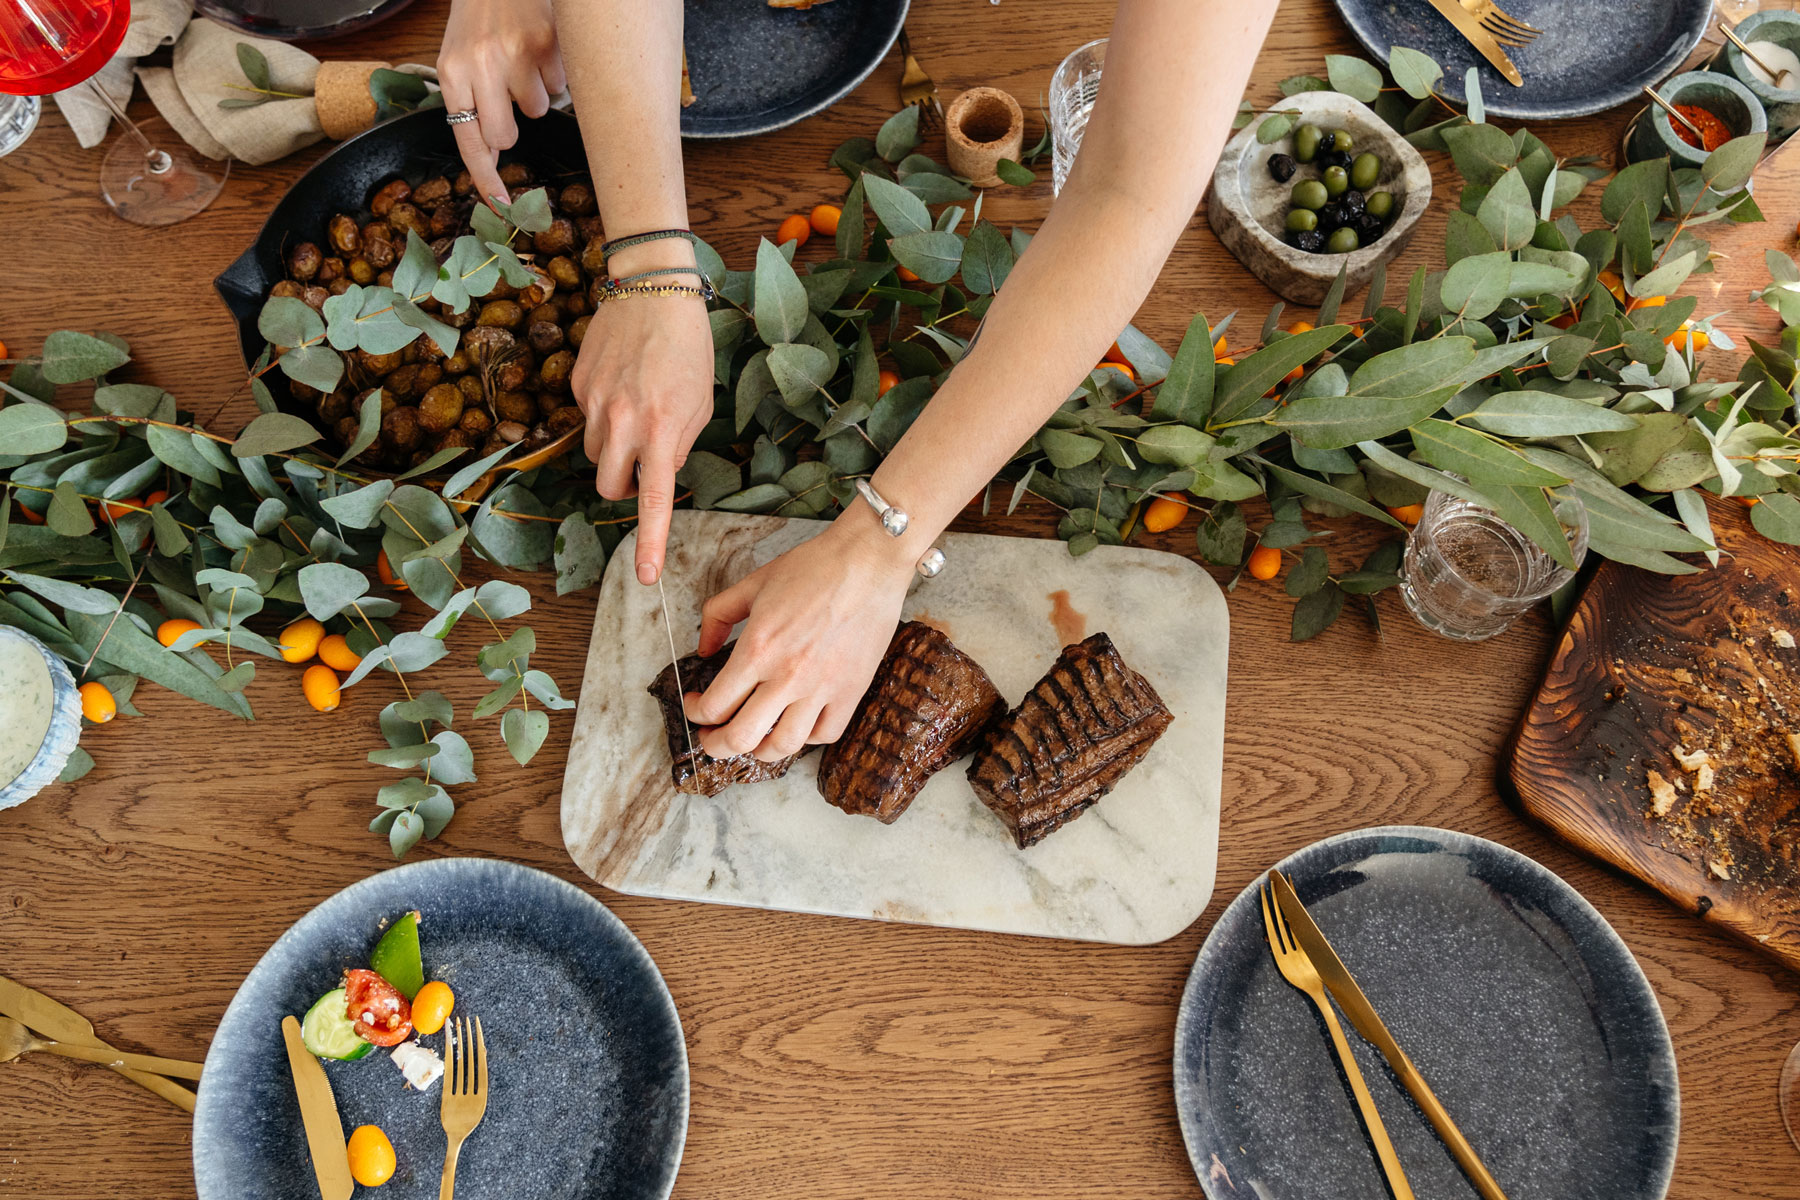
[929, 705]
[695, 771]
[1075, 735]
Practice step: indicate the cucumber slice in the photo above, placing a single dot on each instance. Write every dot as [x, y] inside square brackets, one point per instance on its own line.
[327, 1031]
[396, 957]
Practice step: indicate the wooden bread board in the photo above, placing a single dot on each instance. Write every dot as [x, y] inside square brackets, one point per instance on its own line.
[1705, 662]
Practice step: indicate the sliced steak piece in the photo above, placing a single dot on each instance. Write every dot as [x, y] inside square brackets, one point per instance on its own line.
[697, 772]
[1074, 736]
[930, 704]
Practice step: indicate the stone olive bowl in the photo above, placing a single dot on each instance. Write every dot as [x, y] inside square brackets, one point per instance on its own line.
[1653, 136]
[1782, 27]
[1247, 208]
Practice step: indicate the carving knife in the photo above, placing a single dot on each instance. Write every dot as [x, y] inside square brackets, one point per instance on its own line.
[1362, 1016]
[1481, 39]
[318, 1111]
[62, 1023]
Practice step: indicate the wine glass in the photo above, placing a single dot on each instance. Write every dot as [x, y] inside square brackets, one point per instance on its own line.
[49, 45]
[1789, 1092]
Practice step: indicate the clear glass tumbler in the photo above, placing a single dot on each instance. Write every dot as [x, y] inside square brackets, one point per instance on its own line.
[1468, 575]
[18, 117]
[1072, 91]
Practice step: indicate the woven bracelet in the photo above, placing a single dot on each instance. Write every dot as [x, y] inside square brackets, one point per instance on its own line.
[608, 249]
[649, 289]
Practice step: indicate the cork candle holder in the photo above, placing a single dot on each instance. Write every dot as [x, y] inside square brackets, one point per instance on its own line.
[341, 92]
[983, 126]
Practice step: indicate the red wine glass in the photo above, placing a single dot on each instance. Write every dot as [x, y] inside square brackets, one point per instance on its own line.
[51, 45]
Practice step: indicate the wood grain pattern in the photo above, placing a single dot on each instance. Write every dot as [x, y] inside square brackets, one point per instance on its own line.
[1649, 665]
[832, 1059]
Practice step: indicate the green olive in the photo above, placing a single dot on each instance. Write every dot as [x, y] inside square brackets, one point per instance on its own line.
[1365, 171]
[1299, 220]
[1337, 180]
[1341, 141]
[1309, 193]
[1379, 204]
[1342, 241]
[1306, 142]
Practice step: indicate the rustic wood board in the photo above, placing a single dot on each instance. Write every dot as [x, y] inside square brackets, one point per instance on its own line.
[1136, 869]
[1650, 663]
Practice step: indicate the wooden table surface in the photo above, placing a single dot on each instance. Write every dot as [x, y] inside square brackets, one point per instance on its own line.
[831, 1058]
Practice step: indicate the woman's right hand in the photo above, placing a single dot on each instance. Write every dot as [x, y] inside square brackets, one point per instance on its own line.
[496, 52]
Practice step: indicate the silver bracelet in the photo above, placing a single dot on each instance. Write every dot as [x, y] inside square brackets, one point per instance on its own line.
[894, 522]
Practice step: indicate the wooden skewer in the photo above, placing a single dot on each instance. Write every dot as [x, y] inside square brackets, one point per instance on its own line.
[1731, 36]
[1699, 138]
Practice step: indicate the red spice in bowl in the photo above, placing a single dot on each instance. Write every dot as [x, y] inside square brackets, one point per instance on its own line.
[1713, 132]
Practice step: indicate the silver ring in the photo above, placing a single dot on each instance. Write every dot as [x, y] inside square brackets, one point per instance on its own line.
[459, 118]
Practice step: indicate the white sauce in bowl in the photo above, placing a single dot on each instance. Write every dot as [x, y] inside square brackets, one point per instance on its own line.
[26, 705]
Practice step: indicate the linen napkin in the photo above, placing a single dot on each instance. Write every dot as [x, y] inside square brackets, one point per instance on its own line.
[154, 23]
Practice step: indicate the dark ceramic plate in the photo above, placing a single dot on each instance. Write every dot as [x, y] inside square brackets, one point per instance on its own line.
[292, 20]
[1513, 997]
[588, 1095]
[1593, 54]
[415, 146]
[755, 68]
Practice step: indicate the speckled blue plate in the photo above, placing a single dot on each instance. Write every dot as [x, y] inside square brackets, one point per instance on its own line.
[1593, 54]
[755, 68]
[587, 1068]
[1513, 997]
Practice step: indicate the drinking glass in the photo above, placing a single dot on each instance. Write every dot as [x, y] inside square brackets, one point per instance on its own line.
[1736, 10]
[1790, 1095]
[1072, 91]
[51, 45]
[1468, 574]
[18, 117]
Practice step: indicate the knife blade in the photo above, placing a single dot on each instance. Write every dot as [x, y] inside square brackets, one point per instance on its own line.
[318, 1112]
[63, 1024]
[675, 660]
[1481, 39]
[1343, 988]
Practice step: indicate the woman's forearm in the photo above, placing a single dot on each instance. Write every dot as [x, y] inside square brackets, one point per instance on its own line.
[623, 59]
[1176, 71]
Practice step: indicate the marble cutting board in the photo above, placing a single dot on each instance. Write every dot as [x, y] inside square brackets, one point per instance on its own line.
[1135, 869]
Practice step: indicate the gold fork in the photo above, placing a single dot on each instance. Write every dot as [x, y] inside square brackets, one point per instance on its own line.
[465, 1096]
[1297, 968]
[916, 87]
[1507, 29]
[15, 1040]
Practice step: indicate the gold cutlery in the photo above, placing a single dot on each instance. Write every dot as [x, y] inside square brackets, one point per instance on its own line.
[1507, 29]
[1732, 37]
[465, 1096]
[1675, 114]
[916, 87]
[1343, 988]
[318, 1112]
[59, 1021]
[1297, 968]
[1480, 38]
[15, 1040]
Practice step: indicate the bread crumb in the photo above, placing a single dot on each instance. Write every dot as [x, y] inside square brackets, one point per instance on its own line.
[1662, 794]
[1692, 761]
[1703, 779]
[1782, 638]
[1718, 868]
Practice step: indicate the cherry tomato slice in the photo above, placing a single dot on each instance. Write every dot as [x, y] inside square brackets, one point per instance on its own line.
[376, 1008]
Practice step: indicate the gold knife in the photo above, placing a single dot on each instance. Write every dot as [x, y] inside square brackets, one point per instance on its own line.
[1481, 39]
[318, 1110]
[1356, 1006]
[55, 1020]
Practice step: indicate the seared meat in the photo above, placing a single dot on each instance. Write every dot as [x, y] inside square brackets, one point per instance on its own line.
[697, 772]
[1081, 728]
[929, 705]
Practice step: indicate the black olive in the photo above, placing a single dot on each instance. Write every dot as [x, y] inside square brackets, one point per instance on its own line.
[1312, 241]
[1333, 158]
[1282, 168]
[1331, 216]
[1370, 226]
[1352, 203]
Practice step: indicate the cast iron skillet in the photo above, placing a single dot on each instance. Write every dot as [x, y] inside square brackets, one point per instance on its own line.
[415, 146]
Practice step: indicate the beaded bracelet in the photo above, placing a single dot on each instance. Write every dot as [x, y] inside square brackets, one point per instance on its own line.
[608, 249]
[652, 289]
[611, 282]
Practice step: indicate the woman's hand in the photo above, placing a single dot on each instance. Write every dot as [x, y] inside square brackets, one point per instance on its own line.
[820, 618]
[496, 52]
[644, 380]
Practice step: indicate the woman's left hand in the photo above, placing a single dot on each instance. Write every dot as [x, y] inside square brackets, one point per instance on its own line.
[820, 618]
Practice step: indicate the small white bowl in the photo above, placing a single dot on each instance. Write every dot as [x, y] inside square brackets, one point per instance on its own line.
[1247, 208]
